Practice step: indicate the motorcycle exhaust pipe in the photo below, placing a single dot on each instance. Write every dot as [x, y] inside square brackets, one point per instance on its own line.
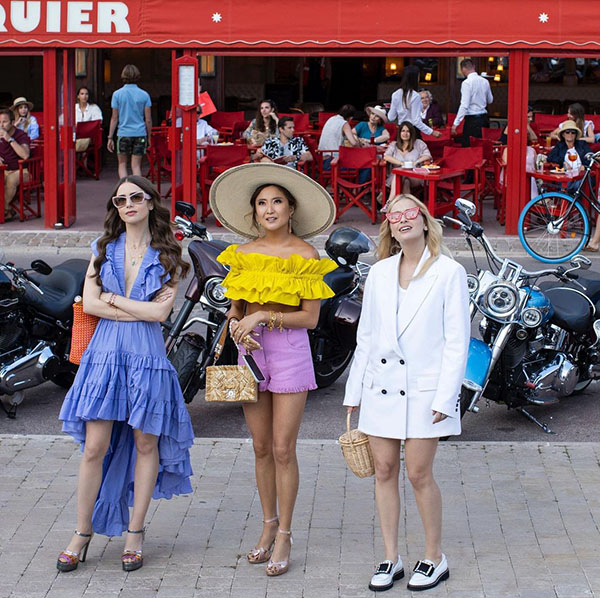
[30, 370]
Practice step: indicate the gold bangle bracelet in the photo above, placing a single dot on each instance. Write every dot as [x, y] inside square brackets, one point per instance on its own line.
[272, 319]
[280, 321]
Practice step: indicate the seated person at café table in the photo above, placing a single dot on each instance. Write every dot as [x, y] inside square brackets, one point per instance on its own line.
[372, 131]
[263, 125]
[24, 120]
[14, 146]
[284, 149]
[337, 131]
[531, 135]
[205, 133]
[576, 114]
[432, 113]
[407, 152]
[569, 153]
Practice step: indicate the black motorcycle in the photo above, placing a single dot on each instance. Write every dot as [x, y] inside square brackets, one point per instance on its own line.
[540, 332]
[332, 342]
[36, 316]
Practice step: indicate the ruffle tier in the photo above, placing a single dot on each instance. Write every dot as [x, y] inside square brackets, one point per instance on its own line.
[259, 278]
[134, 391]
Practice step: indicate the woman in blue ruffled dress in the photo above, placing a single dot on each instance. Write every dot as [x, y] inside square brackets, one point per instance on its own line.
[125, 406]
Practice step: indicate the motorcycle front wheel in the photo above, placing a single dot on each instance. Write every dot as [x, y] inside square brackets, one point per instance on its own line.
[466, 396]
[332, 367]
[553, 228]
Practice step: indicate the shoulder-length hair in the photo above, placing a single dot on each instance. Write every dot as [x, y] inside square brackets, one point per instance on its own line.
[259, 121]
[409, 82]
[413, 135]
[434, 238]
[161, 233]
[578, 112]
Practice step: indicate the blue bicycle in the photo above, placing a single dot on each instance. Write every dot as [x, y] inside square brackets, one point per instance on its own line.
[555, 226]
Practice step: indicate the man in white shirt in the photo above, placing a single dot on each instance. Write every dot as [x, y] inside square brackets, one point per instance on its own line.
[475, 95]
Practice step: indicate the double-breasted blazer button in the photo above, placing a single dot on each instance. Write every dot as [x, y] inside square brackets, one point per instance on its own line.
[402, 362]
[383, 391]
[402, 393]
[384, 360]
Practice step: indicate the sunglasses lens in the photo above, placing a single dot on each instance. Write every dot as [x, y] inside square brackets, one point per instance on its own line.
[394, 217]
[137, 197]
[411, 213]
[119, 201]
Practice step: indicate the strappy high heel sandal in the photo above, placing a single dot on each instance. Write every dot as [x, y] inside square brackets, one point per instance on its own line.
[260, 554]
[133, 559]
[275, 568]
[69, 560]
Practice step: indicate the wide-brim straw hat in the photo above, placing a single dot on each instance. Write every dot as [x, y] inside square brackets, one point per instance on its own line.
[19, 101]
[570, 125]
[231, 192]
[378, 111]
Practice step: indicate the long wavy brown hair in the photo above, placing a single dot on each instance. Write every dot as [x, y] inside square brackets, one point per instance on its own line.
[259, 121]
[161, 233]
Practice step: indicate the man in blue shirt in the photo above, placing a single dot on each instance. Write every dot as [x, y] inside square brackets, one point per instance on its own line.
[131, 111]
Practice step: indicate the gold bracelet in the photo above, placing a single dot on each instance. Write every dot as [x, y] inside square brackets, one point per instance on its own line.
[272, 318]
[280, 321]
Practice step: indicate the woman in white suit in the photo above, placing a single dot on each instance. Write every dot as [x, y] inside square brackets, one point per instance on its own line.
[407, 373]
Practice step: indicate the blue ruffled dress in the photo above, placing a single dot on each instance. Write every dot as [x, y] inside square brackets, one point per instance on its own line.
[126, 377]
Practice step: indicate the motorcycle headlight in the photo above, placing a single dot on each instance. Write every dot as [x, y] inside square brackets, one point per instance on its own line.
[214, 292]
[500, 300]
[531, 317]
[472, 284]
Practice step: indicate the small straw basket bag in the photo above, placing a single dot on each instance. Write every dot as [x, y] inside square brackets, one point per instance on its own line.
[357, 451]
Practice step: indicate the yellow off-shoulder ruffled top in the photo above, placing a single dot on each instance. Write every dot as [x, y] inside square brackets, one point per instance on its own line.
[259, 278]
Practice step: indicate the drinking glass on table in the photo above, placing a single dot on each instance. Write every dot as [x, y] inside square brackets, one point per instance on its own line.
[215, 138]
[548, 141]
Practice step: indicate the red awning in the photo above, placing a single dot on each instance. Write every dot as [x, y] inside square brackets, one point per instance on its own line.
[310, 24]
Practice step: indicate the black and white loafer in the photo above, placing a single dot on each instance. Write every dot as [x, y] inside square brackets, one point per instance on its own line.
[426, 575]
[386, 573]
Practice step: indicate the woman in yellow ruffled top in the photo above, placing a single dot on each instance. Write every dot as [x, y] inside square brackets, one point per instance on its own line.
[275, 284]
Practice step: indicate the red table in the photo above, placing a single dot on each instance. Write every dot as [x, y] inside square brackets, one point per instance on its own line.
[432, 178]
[561, 179]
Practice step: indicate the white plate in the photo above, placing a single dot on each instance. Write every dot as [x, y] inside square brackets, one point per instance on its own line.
[554, 171]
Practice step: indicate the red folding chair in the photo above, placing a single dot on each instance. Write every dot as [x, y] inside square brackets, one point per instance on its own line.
[225, 121]
[92, 130]
[311, 168]
[218, 159]
[489, 168]
[301, 122]
[450, 121]
[238, 128]
[469, 159]
[392, 129]
[28, 201]
[323, 117]
[436, 146]
[491, 134]
[347, 191]
[546, 123]
[159, 158]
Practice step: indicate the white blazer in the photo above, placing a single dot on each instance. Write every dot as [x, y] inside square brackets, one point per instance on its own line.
[408, 364]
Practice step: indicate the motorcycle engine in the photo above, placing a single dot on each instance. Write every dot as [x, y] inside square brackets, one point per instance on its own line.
[556, 378]
[11, 330]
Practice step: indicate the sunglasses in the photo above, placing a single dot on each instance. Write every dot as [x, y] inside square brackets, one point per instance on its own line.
[408, 214]
[569, 132]
[120, 201]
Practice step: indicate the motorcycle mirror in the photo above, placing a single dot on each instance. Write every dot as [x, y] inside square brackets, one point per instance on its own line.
[41, 267]
[466, 206]
[185, 208]
[581, 262]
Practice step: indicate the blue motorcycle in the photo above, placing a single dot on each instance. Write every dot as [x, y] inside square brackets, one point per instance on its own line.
[539, 341]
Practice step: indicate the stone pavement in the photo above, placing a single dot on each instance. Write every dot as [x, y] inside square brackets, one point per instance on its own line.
[520, 521]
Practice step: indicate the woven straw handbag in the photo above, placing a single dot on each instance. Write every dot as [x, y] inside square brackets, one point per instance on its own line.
[229, 383]
[357, 451]
[82, 331]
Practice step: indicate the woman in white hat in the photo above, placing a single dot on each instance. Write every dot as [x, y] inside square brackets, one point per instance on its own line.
[24, 120]
[275, 284]
[372, 131]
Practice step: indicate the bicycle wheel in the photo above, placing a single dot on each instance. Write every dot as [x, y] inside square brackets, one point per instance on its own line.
[552, 228]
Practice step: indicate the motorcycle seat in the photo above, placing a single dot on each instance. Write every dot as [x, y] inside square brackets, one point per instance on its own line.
[340, 280]
[591, 281]
[60, 287]
[571, 311]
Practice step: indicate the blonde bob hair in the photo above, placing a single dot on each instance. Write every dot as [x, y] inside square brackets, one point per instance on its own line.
[434, 239]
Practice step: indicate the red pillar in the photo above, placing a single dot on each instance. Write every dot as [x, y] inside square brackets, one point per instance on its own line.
[189, 151]
[50, 138]
[517, 191]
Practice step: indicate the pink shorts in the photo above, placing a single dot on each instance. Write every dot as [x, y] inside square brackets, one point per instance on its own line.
[285, 360]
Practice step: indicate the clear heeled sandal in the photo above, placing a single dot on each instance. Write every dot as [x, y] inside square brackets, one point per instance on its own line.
[131, 560]
[275, 568]
[260, 554]
[69, 560]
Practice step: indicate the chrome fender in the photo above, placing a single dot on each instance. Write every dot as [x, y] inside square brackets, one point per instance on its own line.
[478, 365]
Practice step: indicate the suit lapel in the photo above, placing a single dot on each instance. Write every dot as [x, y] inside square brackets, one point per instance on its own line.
[415, 295]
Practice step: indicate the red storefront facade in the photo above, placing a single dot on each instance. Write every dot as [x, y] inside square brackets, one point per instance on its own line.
[55, 28]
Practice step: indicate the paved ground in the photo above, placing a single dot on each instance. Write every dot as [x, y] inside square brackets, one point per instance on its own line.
[521, 521]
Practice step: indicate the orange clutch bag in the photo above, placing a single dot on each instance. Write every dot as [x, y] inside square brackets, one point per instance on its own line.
[82, 331]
